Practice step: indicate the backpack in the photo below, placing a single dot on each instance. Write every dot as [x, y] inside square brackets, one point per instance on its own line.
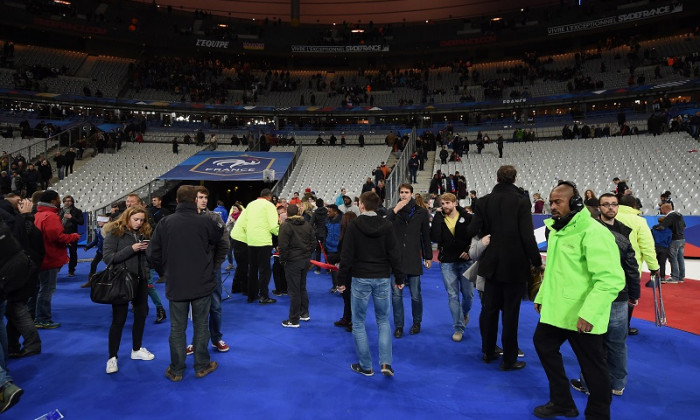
[15, 264]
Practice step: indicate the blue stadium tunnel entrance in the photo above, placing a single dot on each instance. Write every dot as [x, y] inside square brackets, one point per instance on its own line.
[231, 176]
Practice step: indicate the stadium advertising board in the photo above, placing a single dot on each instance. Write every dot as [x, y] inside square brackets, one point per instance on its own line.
[615, 20]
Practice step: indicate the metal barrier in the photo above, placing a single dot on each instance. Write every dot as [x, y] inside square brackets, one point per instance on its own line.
[399, 174]
[279, 185]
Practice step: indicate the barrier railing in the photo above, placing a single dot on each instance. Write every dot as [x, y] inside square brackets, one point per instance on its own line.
[399, 174]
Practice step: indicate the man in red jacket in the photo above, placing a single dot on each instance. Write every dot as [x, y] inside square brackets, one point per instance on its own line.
[55, 242]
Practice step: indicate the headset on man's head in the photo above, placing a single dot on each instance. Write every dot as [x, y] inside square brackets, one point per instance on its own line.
[576, 201]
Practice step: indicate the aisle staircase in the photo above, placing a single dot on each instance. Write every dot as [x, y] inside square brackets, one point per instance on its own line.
[425, 175]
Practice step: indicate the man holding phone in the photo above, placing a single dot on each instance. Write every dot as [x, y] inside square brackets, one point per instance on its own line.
[412, 229]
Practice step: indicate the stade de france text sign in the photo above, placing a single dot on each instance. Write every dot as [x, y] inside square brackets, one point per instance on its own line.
[330, 49]
[615, 20]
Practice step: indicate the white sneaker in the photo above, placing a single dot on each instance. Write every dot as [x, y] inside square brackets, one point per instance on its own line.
[142, 354]
[618, 392]
[112, 365]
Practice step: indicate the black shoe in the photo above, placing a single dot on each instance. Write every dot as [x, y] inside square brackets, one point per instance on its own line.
[306, 317]
[387, 370]
[498, 350]
[632, 331]
[71, 274]
[251, 300]
[551, 410]
[578, 386]
[9, 395]
[348, 328]
[650, 283]
[342, 322]
[289, 324]
[398, 333]
[357, 368]
[490, 358]
[512, 366]
[25, 353]
[415, 329]
[521, 354]
[266, 300]
[277, 292]
[160, 315]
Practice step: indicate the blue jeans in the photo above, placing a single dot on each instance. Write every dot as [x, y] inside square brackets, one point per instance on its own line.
[4, 376]
[215, 310]
[42, 302]
[455, 283]
[413, 282]
[413, 172]
[675, 256]
[380, 291]
[615, 341]
[152, 292]
[178, 340]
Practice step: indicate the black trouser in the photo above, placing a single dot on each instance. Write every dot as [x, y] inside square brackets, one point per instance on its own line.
[320, 242]
[119, 313]
[506, 297]
[298, 297]
[69, 168]
[279, 275]
[258, 271]
[94, 263]
[21, 324]
[240, 277]
[73, 256]
[500, 152]
[662, 257]
[347, 305]
[589, 352]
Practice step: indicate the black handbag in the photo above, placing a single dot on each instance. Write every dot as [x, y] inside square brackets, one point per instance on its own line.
[115, 285]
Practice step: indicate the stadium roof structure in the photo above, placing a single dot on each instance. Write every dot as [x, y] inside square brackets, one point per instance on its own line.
[337, 11]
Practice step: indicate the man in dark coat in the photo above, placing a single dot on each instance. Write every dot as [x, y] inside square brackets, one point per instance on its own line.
[181, 250]
[46, 173]
[70, 160]
[318, 222]
[31, 179]
[443, 155]
[412, 230]
[71, 218]
[505, 264]
[297, 240]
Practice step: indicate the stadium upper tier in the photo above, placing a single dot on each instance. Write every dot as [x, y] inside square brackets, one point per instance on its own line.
[176, 79]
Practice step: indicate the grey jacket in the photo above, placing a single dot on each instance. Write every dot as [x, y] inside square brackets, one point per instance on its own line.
[475, 250]
[117, 250]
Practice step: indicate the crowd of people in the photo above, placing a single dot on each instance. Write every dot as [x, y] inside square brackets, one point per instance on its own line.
[371, 252]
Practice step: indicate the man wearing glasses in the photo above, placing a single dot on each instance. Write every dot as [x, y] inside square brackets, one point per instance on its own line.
[615, 339]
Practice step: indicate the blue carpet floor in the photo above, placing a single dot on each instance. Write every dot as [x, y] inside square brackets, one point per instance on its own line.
[273, 372]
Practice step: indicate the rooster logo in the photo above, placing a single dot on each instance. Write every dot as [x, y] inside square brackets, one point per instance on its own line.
[232, 164]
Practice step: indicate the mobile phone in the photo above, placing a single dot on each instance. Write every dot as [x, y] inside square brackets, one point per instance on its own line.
[146, 240]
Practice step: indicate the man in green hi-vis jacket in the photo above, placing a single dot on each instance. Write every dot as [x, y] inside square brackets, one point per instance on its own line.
[583, 276]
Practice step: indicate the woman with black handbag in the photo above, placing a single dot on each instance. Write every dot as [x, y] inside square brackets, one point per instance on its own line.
[126, 240]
